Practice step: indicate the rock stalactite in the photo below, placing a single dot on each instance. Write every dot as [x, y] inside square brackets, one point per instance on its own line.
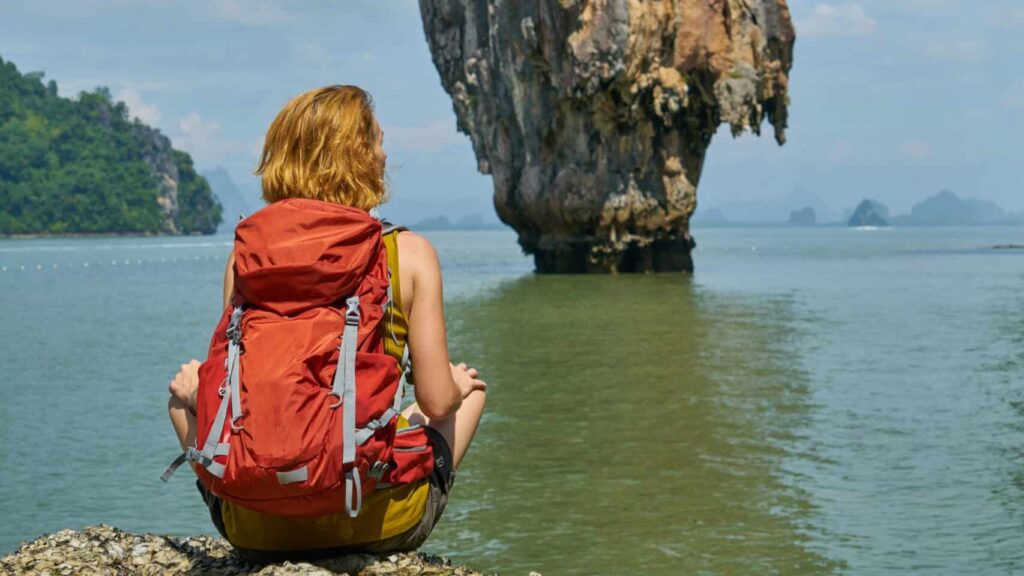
[593, 116]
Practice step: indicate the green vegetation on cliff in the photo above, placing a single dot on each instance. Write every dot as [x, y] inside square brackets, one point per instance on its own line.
[83, 166]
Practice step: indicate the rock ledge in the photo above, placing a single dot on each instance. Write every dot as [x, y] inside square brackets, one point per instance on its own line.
[106, 550]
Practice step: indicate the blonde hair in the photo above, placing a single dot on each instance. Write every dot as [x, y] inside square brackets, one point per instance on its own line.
[321, 146]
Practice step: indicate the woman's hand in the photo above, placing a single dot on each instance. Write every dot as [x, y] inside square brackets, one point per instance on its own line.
[467, 379]
[185, 384]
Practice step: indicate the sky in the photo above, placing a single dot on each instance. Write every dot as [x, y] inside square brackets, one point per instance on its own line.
[890, 99]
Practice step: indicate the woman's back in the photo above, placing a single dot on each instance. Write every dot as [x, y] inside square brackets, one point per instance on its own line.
[326, 145]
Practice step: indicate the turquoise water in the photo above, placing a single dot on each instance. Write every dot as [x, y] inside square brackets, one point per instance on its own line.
[811, 401]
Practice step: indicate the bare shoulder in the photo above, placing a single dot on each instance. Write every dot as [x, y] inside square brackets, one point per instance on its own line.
[416, 251]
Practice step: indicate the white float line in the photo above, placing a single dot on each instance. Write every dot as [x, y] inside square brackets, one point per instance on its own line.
[115, 262]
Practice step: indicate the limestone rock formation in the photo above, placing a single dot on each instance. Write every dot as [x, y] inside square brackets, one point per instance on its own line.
[106, 550]
[593, 116]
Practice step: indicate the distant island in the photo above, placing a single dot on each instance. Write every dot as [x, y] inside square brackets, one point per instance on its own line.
[82, 166]
[473, 222]
[870, 213]
[943, 209]
[948, 209]
[803, 217]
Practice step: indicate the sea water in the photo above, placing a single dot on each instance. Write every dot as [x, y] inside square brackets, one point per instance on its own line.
[810, 401]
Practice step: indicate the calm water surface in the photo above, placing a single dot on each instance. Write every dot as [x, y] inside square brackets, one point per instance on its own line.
[811, 401]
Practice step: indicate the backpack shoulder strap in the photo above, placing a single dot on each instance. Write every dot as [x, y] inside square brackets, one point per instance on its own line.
[390, 228]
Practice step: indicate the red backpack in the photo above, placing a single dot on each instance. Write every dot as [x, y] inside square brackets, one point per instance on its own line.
[298, 402]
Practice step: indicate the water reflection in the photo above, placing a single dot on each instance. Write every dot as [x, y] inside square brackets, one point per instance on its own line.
[636, 423]
[1000, 378]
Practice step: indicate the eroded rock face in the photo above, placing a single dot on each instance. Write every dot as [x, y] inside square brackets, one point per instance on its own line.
[106, 550]
[593, 116]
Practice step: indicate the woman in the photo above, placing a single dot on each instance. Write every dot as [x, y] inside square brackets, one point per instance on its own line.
[326, 145]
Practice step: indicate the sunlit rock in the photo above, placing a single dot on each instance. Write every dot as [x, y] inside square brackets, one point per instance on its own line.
[593, 116]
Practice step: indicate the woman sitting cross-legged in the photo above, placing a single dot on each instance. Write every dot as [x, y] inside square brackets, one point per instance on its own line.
[292, 424]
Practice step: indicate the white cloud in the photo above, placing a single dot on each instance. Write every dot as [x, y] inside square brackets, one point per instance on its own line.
[429, 137]
[147, 113]
[916, 149]
[249, 12]
[202, 139]
[959, 51]
[836, 20]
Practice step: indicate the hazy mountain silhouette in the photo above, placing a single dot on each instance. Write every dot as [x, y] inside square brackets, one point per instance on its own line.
[234, 202]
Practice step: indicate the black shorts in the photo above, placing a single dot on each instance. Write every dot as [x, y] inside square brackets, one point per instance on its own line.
[440, 480]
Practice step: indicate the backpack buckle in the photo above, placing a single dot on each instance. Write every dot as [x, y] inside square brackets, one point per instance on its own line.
[234, 331]
[352, 313]
[193, 455]
[377, 470]
[337, 398]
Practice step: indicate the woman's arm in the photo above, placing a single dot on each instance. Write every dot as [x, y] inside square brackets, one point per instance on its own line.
[440, 387]
[229, 279]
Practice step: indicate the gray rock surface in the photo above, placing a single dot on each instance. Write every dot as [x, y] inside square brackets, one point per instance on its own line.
[157, 154]
[593, 116]
[106, 550]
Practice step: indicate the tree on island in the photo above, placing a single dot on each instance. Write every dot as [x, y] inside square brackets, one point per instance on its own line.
[870, 213]
[83, 166]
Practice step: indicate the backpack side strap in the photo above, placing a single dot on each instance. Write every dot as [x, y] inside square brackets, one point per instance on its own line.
[213, 447]
[344, 388]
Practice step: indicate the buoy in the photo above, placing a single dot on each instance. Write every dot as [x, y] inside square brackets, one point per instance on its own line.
[39, 266]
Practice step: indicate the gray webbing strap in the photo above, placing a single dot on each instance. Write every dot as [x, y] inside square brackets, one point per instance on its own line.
[213, 444]
[215, 469]
[234, 349]
[344, 387]
[348, 398]
[213, 438]
[193, 455]
[293, 476]
[352, 484]
[404, 367]
[174, 466]
[364, 434]
[389, 228]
